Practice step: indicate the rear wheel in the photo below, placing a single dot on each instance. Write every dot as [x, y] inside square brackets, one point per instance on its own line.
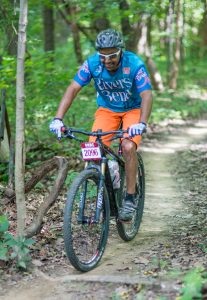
[85, 239]
[128, 230]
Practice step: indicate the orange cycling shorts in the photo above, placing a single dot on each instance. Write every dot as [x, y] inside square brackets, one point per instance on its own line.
[107, 120]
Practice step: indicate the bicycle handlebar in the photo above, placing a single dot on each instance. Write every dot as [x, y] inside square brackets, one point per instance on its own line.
[68, 132]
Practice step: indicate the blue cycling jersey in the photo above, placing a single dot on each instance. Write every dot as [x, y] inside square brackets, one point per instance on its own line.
[119, 91]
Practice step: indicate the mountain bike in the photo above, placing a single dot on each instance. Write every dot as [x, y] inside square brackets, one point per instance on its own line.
[92, 200]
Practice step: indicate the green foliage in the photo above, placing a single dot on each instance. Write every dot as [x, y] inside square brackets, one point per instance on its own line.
[48, 74]
[11, 248]
[193, 282]
[181, 104]
[203, 246]
[4, 224]
[70, 177]
[21, 251]
[3, 172]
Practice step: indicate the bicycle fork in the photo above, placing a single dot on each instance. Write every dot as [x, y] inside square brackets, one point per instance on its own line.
[99, 202]
[82, 205]
[82, 219]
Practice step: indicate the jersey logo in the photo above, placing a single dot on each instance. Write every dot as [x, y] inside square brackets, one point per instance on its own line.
[98, 70]
[126, 70]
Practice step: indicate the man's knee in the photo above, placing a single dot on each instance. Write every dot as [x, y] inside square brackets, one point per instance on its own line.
[128, 148]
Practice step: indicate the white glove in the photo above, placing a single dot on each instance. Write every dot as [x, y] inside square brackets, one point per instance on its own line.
[55, 126]
[137, 129]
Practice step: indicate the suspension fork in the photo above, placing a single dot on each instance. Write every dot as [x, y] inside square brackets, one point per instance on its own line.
[81, 218]
[82, 203]
[99, 200]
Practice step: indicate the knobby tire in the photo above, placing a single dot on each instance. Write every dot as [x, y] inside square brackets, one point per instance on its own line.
[127, 231]
[85, 242]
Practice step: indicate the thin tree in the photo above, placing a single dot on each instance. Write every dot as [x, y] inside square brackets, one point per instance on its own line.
[49, 28]
[170, 21]
[130, 32]
[9, 23]
[203, 30]
[144, 47]
[20, 118]
[68, 13]
[174, 68]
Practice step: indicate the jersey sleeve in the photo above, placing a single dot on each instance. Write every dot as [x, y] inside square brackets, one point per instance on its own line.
[142, 80]
[83, 76]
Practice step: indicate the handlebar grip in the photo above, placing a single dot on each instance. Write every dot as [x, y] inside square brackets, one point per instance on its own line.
[63, 129]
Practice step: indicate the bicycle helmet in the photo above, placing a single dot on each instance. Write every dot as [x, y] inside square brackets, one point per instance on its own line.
[109, 38]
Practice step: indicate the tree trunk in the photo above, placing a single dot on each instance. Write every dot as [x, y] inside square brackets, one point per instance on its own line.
[203, 30]
[144, 48]
[70, 11]
[5, 132]
[100, 22]
[143, 40]
[12, 40]
[48, 21]
[155, 75]
[131, 34]
[174, 71]
[77, 43]
[20, 136]
[9, 27]
[182, 37]
[162, 28]
[170, 38]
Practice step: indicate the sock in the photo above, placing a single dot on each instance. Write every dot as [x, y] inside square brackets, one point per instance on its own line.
[129, 197]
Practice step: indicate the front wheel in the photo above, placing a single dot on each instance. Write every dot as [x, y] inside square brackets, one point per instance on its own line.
[128, 230]
[85, 239]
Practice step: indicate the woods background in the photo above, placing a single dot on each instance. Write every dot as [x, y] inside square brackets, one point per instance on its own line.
[169, 35]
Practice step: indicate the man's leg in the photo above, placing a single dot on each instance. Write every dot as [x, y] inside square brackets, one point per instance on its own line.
[106, 120]
[129, 147]
[131, 164]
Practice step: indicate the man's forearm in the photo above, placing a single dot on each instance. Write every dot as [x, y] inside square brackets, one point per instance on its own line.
[146, 107]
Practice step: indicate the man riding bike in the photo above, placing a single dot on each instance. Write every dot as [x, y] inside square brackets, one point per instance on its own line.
[123, 96]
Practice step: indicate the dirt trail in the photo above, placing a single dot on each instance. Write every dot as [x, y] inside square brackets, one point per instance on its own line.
[125, 262]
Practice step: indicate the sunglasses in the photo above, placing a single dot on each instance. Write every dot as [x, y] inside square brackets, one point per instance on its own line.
[109, 56]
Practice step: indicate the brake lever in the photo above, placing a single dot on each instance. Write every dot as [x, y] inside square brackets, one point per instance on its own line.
[67, 133]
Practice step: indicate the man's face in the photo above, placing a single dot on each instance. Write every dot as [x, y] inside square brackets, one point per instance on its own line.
[110, 57]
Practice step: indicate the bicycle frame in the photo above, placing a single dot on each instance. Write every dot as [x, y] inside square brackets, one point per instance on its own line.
[105, 177]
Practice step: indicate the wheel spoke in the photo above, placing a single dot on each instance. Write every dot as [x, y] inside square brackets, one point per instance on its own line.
[85, 237]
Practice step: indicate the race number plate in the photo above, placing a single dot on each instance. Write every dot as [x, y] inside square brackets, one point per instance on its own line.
[90, 151]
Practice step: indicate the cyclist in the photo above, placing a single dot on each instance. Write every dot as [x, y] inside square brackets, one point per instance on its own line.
[123, 95]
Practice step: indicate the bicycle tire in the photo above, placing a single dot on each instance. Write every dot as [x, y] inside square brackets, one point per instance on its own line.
[128, 231]
[85, 243]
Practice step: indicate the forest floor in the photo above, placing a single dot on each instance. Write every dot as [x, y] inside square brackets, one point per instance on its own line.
[171, 243]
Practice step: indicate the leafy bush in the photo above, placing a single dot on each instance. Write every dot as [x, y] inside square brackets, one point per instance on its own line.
[11, 248]
[193, 282]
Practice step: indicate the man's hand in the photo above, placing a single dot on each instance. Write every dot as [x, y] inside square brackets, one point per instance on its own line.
[55, 126]
[137, 129]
